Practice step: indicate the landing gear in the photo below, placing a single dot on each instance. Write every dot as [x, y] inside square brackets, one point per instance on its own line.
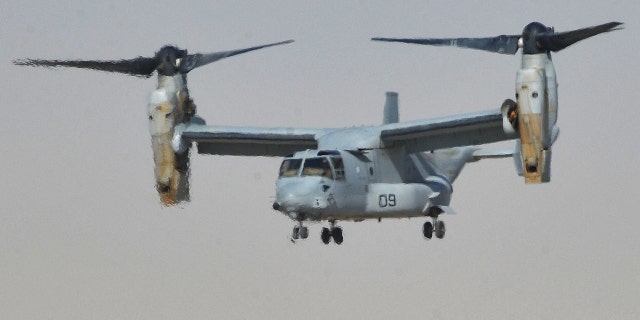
[337, 235]
[440, 229]
[325, 235]
[299, 232]
[428, 228]
[304, 232]
[332, 232]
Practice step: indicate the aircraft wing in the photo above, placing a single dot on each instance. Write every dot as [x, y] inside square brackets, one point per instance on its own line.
[452, 131]
[249, 141]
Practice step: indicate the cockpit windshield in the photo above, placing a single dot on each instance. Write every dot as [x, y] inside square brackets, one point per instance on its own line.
[290, 167]
[317, 167]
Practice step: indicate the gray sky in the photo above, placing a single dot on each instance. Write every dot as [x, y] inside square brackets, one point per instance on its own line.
[83, 236]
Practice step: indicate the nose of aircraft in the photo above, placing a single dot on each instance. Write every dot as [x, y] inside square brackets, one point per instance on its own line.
[299, 195]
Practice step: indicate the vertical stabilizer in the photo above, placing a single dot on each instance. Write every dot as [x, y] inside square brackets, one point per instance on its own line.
[390, 113]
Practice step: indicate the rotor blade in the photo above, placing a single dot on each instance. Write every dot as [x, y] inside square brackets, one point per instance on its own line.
[140, 66]
[501, 44]
[558, 41]
[198, 60]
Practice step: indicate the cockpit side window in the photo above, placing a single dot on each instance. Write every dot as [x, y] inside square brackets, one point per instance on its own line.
[290, 167]
[338, 167]
[317, 167]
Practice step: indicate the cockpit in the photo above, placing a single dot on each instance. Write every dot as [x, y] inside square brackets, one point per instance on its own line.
[326, 164]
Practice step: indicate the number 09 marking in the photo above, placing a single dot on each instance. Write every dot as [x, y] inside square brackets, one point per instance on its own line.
[387, 200]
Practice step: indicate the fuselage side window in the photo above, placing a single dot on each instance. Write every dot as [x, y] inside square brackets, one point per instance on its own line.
[290, 167]
[338, 167]
[317, 167]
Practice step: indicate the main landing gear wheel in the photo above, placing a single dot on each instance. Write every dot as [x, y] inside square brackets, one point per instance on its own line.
[325, 235]
[427, 230]
[333, 232]
[437, 227]
[336, 233]
[440, 229]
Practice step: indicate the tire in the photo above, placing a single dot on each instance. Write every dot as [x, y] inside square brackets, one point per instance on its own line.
[296, 233]
[440, 229]
[304, 232]
[337, 235]
[427, 230]
[325, 236]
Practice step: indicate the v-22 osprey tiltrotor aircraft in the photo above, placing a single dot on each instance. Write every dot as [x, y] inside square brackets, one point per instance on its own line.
[393, 170]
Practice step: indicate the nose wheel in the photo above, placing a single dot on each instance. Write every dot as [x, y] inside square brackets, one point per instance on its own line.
[437, 227]
[299, 232]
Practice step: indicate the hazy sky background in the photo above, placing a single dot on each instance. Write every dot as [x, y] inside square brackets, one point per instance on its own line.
[83, 235]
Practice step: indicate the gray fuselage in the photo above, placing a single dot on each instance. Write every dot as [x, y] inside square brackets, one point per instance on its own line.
[367, 184]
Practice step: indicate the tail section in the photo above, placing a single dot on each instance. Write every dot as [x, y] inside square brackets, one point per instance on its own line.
[448, 163]
[390, 113]
[445, 163]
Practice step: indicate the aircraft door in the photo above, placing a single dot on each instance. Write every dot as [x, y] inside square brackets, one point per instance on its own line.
[349, 190]
[368, 172]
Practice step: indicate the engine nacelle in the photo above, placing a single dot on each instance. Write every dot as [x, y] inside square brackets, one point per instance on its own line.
[537, 109]
[166, 111]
